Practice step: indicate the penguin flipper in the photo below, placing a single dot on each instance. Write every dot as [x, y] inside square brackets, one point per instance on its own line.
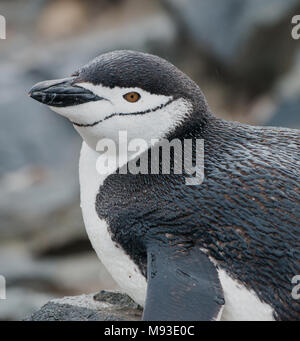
[183, 285]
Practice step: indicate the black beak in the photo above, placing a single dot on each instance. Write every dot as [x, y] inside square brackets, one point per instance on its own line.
[62, 93]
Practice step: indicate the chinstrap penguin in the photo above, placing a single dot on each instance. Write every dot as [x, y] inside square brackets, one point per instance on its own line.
[226, 249]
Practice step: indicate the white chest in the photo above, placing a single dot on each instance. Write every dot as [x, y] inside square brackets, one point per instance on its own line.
[117, 262]
[240, 303]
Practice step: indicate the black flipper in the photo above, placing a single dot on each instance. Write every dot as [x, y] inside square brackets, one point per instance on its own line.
[183, 285]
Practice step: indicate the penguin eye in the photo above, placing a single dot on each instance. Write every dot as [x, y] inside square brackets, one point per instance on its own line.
[132, 97]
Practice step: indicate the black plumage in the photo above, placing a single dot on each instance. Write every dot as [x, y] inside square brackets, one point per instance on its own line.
[245, 213]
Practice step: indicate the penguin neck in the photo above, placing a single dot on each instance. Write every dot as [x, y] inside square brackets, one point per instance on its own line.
[90, 138]
[195, 126]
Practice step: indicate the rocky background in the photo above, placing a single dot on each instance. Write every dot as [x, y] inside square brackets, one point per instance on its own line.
[240, 52]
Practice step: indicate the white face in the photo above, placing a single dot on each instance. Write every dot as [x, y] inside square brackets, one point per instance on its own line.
[151, 116]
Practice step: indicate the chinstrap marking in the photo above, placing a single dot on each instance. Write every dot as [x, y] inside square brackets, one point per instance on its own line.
[125, 114]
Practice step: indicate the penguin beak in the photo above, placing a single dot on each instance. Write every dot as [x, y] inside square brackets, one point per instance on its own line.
[62, 93]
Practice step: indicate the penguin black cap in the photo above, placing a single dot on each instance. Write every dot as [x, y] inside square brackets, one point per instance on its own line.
[123, 69]
[136, 69]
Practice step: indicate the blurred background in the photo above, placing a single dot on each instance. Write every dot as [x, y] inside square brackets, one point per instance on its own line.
[240, 52]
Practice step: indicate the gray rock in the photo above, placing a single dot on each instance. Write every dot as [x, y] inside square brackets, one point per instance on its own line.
[286, 115]
[21, 302]
[287, 94]
[39, 155]
[58, 275]
[225, 27]
[64, 312]
[109, 306]
[116, 298]
[249, 41]
[32, 282]
[29, 132]
[288, 86]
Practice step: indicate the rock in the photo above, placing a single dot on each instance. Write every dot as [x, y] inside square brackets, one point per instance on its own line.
[21, 302]
[45, 278]
[287, 114]
[288, 86]
[104, 306]
[65, 312]
[116, 298]
[21, 19]
[39, 150]
[250, 39]
[287, 95]
[30, 134]
[57, 276]
[225, 27]
[61, 18]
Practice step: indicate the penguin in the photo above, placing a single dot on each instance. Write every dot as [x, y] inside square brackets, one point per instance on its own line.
[224, 249]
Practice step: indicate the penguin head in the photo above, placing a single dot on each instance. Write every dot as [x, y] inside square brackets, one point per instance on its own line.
[139, 93]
